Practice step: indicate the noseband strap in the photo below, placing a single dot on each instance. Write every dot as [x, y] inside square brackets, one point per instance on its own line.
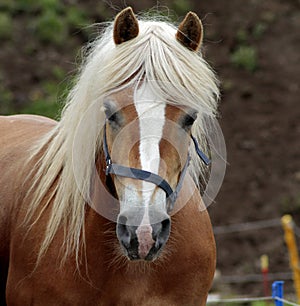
[139, 174]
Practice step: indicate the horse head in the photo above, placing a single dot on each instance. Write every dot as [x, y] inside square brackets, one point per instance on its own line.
[146, 141]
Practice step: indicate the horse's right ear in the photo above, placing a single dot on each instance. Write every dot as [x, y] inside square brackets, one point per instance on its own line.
[190, 32]
[126, 26]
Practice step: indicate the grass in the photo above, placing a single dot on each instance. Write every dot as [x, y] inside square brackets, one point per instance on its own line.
[53, 5]
[245, 54]
[47, 100]
[181, 7]
[6, 98]
[50, 20]
[50, 28]
[242, 36]
[245, 57]
[6, 26]
[256, 303]
[259, 29]
[34, 6]
[7, 5]
[76, 18]
[50, 24]
[290, 204]
[43, 103]
[261, 303]
[43, 107]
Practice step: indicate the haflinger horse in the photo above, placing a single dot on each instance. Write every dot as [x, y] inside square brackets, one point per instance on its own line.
[103, 207]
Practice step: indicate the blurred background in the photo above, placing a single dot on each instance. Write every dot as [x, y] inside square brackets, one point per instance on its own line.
[253, 45]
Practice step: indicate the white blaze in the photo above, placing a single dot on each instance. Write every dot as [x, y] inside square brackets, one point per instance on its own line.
[151, 114]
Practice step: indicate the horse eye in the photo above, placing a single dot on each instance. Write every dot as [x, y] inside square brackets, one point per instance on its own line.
[114, 121]
[113, 117]
[188, 121]
[110, 112]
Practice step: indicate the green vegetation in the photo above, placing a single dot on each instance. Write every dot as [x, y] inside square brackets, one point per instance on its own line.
[50, 23]
[50, 28]
[6, 98]
[256, 303]
[6, 26]
[45, 101]
[55, 22]
[49, 20]
[245, 54]
[42, 107]
[290, 204]
[33, 6]
[58, 73]
[26, 5]
[7, 5]
[259, 29]
[76, 17]
[242, 36]
[245, 57]
[181, 7]
[53, 5]
[259, 303]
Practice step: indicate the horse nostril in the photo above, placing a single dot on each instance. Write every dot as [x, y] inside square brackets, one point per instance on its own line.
[161, 232]
[122, 219]
[166, 225]
[123, 235]
[123, 232]
[144, 241]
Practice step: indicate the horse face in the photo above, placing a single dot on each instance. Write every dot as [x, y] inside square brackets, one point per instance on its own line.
[146, 133]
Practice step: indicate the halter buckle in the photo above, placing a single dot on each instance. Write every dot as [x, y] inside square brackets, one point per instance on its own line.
[108, 166]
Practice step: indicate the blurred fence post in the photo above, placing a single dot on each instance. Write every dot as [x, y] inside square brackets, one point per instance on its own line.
[277, 292]
[264, 265]
[289, 236]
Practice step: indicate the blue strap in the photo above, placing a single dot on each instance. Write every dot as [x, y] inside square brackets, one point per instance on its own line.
[200, 153]
[140, 174]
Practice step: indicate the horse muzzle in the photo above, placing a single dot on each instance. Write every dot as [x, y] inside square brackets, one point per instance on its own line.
[143, 242]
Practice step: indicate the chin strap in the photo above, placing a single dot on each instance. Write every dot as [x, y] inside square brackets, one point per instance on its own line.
[139, 174]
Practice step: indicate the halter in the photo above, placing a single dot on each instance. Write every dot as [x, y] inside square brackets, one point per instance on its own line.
[139, 174]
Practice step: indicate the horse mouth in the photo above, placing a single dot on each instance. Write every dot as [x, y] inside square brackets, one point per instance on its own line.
[137, 252]
[133, 255]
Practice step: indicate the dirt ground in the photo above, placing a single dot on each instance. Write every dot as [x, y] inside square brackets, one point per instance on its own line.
[259, 115]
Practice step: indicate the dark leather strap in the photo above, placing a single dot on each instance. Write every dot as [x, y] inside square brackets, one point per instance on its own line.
[140, 175]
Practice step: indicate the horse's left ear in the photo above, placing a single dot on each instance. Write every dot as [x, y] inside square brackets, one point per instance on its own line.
[190, 32]
[126, 26]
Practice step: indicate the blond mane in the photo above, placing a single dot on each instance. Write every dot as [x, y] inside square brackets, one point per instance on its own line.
[178, 75]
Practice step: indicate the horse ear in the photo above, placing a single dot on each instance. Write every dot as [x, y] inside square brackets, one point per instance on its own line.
[190, 32]
[126, 26]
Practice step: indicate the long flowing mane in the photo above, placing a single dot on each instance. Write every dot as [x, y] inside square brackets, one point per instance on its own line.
[180, 76]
